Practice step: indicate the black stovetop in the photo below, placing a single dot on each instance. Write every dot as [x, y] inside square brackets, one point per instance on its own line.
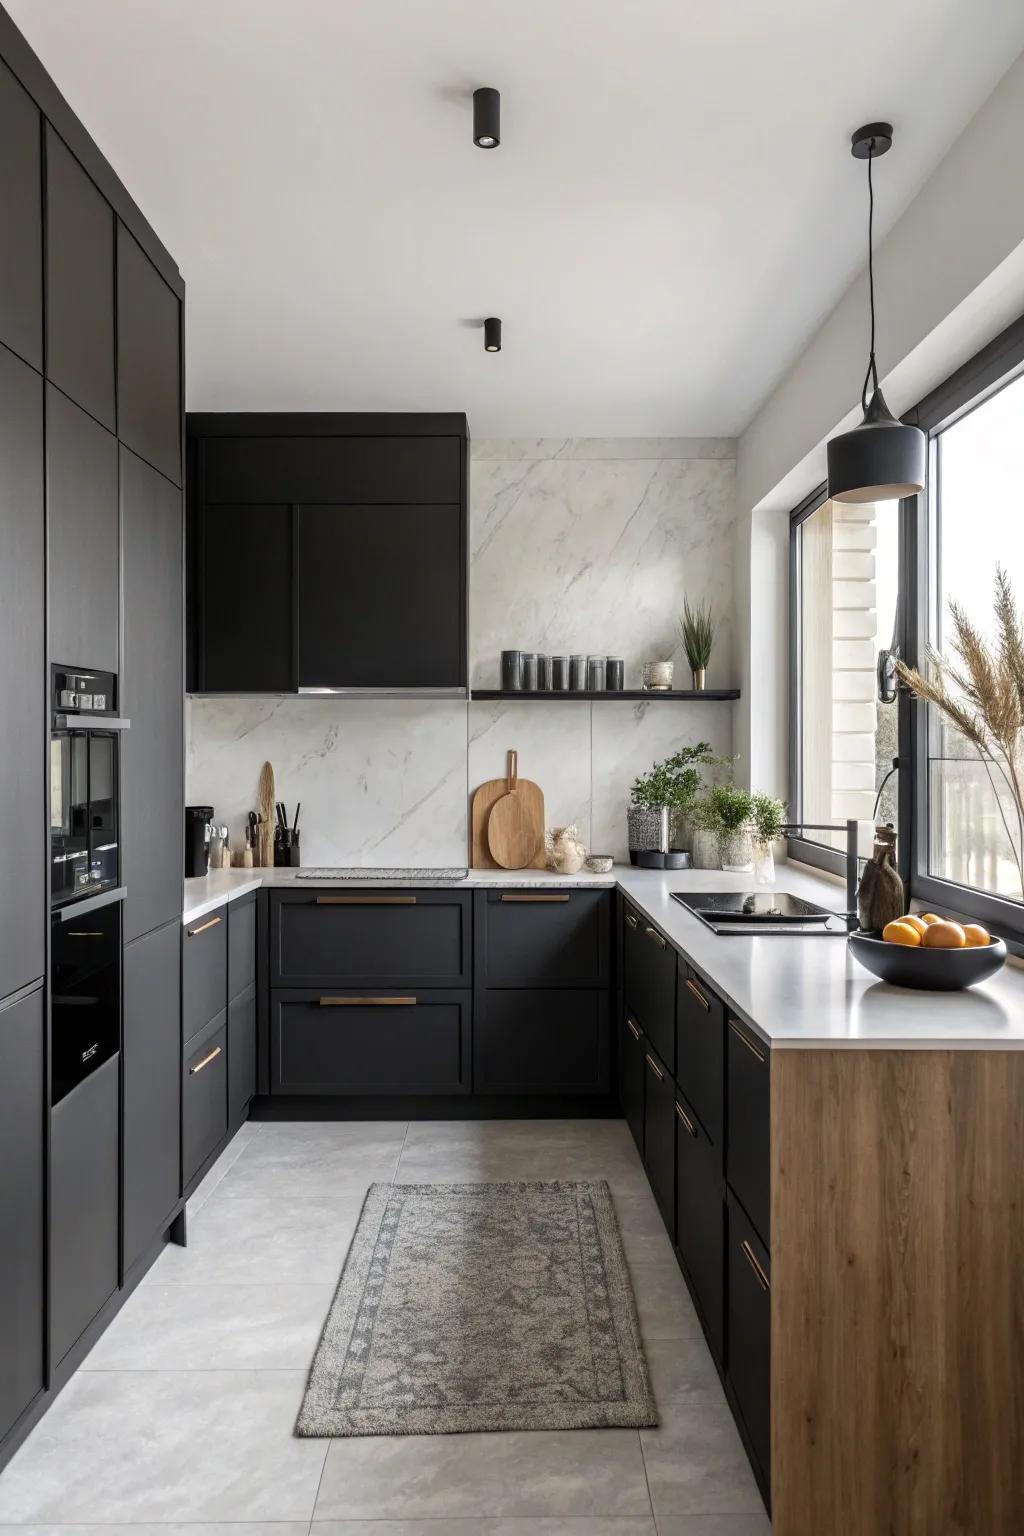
[753, 912]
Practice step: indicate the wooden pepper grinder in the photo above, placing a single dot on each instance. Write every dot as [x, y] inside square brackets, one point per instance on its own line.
[880, 896]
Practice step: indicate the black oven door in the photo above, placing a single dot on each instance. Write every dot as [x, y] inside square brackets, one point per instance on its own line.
[85, 969]
[84, 852]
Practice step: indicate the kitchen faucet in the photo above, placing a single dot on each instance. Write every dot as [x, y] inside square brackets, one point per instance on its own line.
[853, 861]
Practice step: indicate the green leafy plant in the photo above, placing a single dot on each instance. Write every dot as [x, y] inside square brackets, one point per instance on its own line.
[729, 807]
[769, 817]
[678, 780]
[697, 632]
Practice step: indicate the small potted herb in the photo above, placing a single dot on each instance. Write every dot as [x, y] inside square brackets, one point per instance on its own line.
[697, 632]
[769, 818]
[661, 799]
[732, 809]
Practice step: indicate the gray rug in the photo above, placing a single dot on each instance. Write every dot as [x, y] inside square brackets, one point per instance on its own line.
[481, 1307]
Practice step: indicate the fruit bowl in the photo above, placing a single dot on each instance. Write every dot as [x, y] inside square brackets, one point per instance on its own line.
[931, 970]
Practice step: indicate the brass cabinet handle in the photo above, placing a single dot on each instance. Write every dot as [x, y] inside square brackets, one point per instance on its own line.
[655, 937]
[698, 994]
[659, 1074]
[206, 1060]
[194, 933]
[631, 919]
[684, 1117]
[545, 896]
[632, 1029]
[742, 1035]
[367, 1002]
[751, 1258]
[365, 901]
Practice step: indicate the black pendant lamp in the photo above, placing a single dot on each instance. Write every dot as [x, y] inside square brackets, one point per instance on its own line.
[880, 460]
[486, 117]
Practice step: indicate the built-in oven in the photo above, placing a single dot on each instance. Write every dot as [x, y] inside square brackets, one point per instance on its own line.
[84, 785]
[85, 990]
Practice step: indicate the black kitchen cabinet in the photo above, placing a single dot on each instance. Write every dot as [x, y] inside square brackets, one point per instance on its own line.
[374, 938]
[328, 459]
[84, 1181]
[204, 983]
[381, 599]
[748, 1148]
[79, 286]
[700, 1049]
[241, 1055]
[700, 1220]
[750, 1323]
[529, 938]
[649, 983]
[241, 945]
[660, 1138]
[152, 773]
[204, 1097]
[372, 1042]
[531, 1041]
[22, 761]
[151, 1157]
[632, 1072]
[21, 227]
[22, 1203]
[244, 639]
[148, 363]
[82, 509]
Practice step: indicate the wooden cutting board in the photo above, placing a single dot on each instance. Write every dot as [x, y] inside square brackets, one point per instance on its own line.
[484, 800]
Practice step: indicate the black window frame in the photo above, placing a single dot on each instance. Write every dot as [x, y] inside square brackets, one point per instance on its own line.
[997, 365]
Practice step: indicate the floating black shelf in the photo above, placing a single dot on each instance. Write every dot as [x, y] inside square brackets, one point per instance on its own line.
[610, 695]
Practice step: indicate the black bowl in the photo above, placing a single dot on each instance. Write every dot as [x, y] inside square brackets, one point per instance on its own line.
[931, 970]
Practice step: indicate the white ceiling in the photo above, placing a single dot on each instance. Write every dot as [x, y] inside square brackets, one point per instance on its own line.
[671, 214]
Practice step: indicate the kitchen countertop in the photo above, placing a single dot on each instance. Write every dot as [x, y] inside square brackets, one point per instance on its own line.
[794, 992]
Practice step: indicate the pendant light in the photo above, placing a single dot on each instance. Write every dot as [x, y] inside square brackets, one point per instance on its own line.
[880, 460]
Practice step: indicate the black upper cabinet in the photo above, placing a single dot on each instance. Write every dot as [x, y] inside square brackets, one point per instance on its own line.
[23, 868]
[151, 1150]
[81, 492]
[79, 284]
[22, 1196]
[380, 596]
[148, 371]
[21, 224]
[152, 776]
[324, 464]
[243, 641]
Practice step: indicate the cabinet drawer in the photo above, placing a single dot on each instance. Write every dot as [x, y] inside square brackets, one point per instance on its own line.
[748, 1150]
[241, 946]
[204, 1097]
[649, 982]
[544, 938]
[632, 1068]
[203, 971]
[700, 1049]
[700, 1220]
[241, 1054]
[83, 1205]
[371, 938]
[541, 1042]
[750, 1325]
[370, 1042]
[660, 1137]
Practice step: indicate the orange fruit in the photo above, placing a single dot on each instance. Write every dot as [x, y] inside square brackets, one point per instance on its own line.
[901, 932]
[915, 922]
[930, 917]
[977, 937]
[944, 935]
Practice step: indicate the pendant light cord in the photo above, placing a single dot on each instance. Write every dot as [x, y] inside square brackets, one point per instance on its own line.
[872, 372]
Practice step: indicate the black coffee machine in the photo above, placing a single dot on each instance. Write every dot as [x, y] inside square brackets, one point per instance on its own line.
[198, 826]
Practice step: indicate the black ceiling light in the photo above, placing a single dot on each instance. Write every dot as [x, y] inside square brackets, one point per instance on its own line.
[881, 459]
[492, 335]
[486, 118]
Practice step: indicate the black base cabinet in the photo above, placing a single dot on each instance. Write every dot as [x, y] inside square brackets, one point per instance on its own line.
[241, 1056]
[700, 1221]
[204, 1096]
[408, 938]
[22, 1202]
[750, 1330]
[151, 1051]
[529, 938]
[649, 983]
[660, 1138]
[700, 1050]
[541, 1042]
[371, 1042]
[632, 1072]
[748, 1147]
[84, 1182]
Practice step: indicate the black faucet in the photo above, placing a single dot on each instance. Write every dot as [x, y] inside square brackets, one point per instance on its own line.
[852, 858]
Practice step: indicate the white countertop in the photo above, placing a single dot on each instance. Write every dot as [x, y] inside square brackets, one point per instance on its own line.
[795, 992]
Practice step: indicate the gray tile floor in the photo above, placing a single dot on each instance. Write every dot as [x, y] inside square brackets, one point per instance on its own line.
[180, 1420]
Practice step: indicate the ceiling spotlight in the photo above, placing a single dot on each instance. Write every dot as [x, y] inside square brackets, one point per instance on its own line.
[486, 117]
[492, 335]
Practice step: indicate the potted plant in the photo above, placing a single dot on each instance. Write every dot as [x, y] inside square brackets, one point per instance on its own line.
[704, 828]
[661, 800]
[697, 632]
[732, 807]
[768, 816]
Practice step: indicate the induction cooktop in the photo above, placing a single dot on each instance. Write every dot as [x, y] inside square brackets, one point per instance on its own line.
[760, 912]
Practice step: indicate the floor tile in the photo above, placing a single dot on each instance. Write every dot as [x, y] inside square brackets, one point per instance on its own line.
[682, 1371]
[167, 1445]
[212, 1178]
[663, 1302]
[715, 1525]
[696, 1463]
[529, 1473]
[286, 1162]
[219, 1528]
[584, 1525]
[215, 1328]
[263, 1240]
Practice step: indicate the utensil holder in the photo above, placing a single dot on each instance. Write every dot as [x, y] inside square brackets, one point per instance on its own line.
[286, 848]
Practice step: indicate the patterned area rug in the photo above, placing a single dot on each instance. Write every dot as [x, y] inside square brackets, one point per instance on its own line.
[481, 1307]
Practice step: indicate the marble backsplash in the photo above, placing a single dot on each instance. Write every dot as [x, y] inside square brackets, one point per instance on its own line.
[582, 546]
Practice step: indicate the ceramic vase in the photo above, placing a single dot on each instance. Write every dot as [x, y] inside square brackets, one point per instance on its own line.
[736, 851]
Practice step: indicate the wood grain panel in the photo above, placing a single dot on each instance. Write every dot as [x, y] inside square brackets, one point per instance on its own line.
[897, 1293]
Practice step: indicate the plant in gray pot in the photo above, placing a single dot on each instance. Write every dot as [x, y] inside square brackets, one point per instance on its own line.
[668, 792]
